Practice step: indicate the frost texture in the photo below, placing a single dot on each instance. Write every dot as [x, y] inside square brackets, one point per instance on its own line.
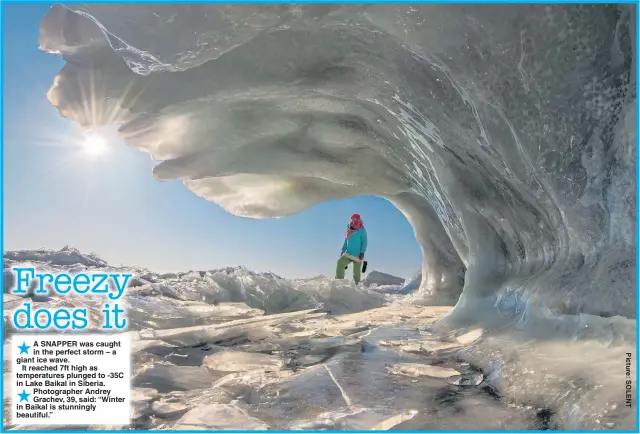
[185, 298]
[320, 354]
[505, 133]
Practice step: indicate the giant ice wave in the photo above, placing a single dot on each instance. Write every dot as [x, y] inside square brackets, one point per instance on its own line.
[505, 133]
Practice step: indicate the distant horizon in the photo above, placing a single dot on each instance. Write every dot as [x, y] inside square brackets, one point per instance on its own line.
[68, 247]
[56, 193]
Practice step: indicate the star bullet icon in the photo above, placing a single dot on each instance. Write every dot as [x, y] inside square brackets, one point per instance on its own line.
[24, 348]
[24, 396]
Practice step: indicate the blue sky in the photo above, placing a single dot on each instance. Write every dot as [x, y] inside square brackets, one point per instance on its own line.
[55, 196]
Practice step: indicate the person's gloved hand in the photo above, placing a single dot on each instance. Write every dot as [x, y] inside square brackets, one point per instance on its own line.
[361, 256]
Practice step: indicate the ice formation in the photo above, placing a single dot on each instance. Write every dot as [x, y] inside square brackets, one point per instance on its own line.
[236, 349]
[505, 133]
[225, 293]
[379, 278]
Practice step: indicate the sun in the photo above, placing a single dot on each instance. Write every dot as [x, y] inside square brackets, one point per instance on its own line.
[94, 145]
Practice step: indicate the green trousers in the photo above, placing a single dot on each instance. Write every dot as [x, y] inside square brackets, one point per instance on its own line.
[343, 262]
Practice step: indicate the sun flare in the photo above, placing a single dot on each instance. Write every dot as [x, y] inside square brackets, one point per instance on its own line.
[94, 145]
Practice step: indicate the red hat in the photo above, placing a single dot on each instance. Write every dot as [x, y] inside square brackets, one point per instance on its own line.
[356, 222]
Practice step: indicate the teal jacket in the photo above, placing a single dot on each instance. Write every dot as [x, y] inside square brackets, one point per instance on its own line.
[356, 244]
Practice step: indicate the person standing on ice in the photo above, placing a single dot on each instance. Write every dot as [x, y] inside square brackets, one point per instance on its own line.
[355, 244]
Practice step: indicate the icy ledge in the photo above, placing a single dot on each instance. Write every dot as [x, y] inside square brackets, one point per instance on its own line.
[509, 146]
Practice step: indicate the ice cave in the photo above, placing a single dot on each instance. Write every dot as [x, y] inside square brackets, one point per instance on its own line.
[506, 134]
